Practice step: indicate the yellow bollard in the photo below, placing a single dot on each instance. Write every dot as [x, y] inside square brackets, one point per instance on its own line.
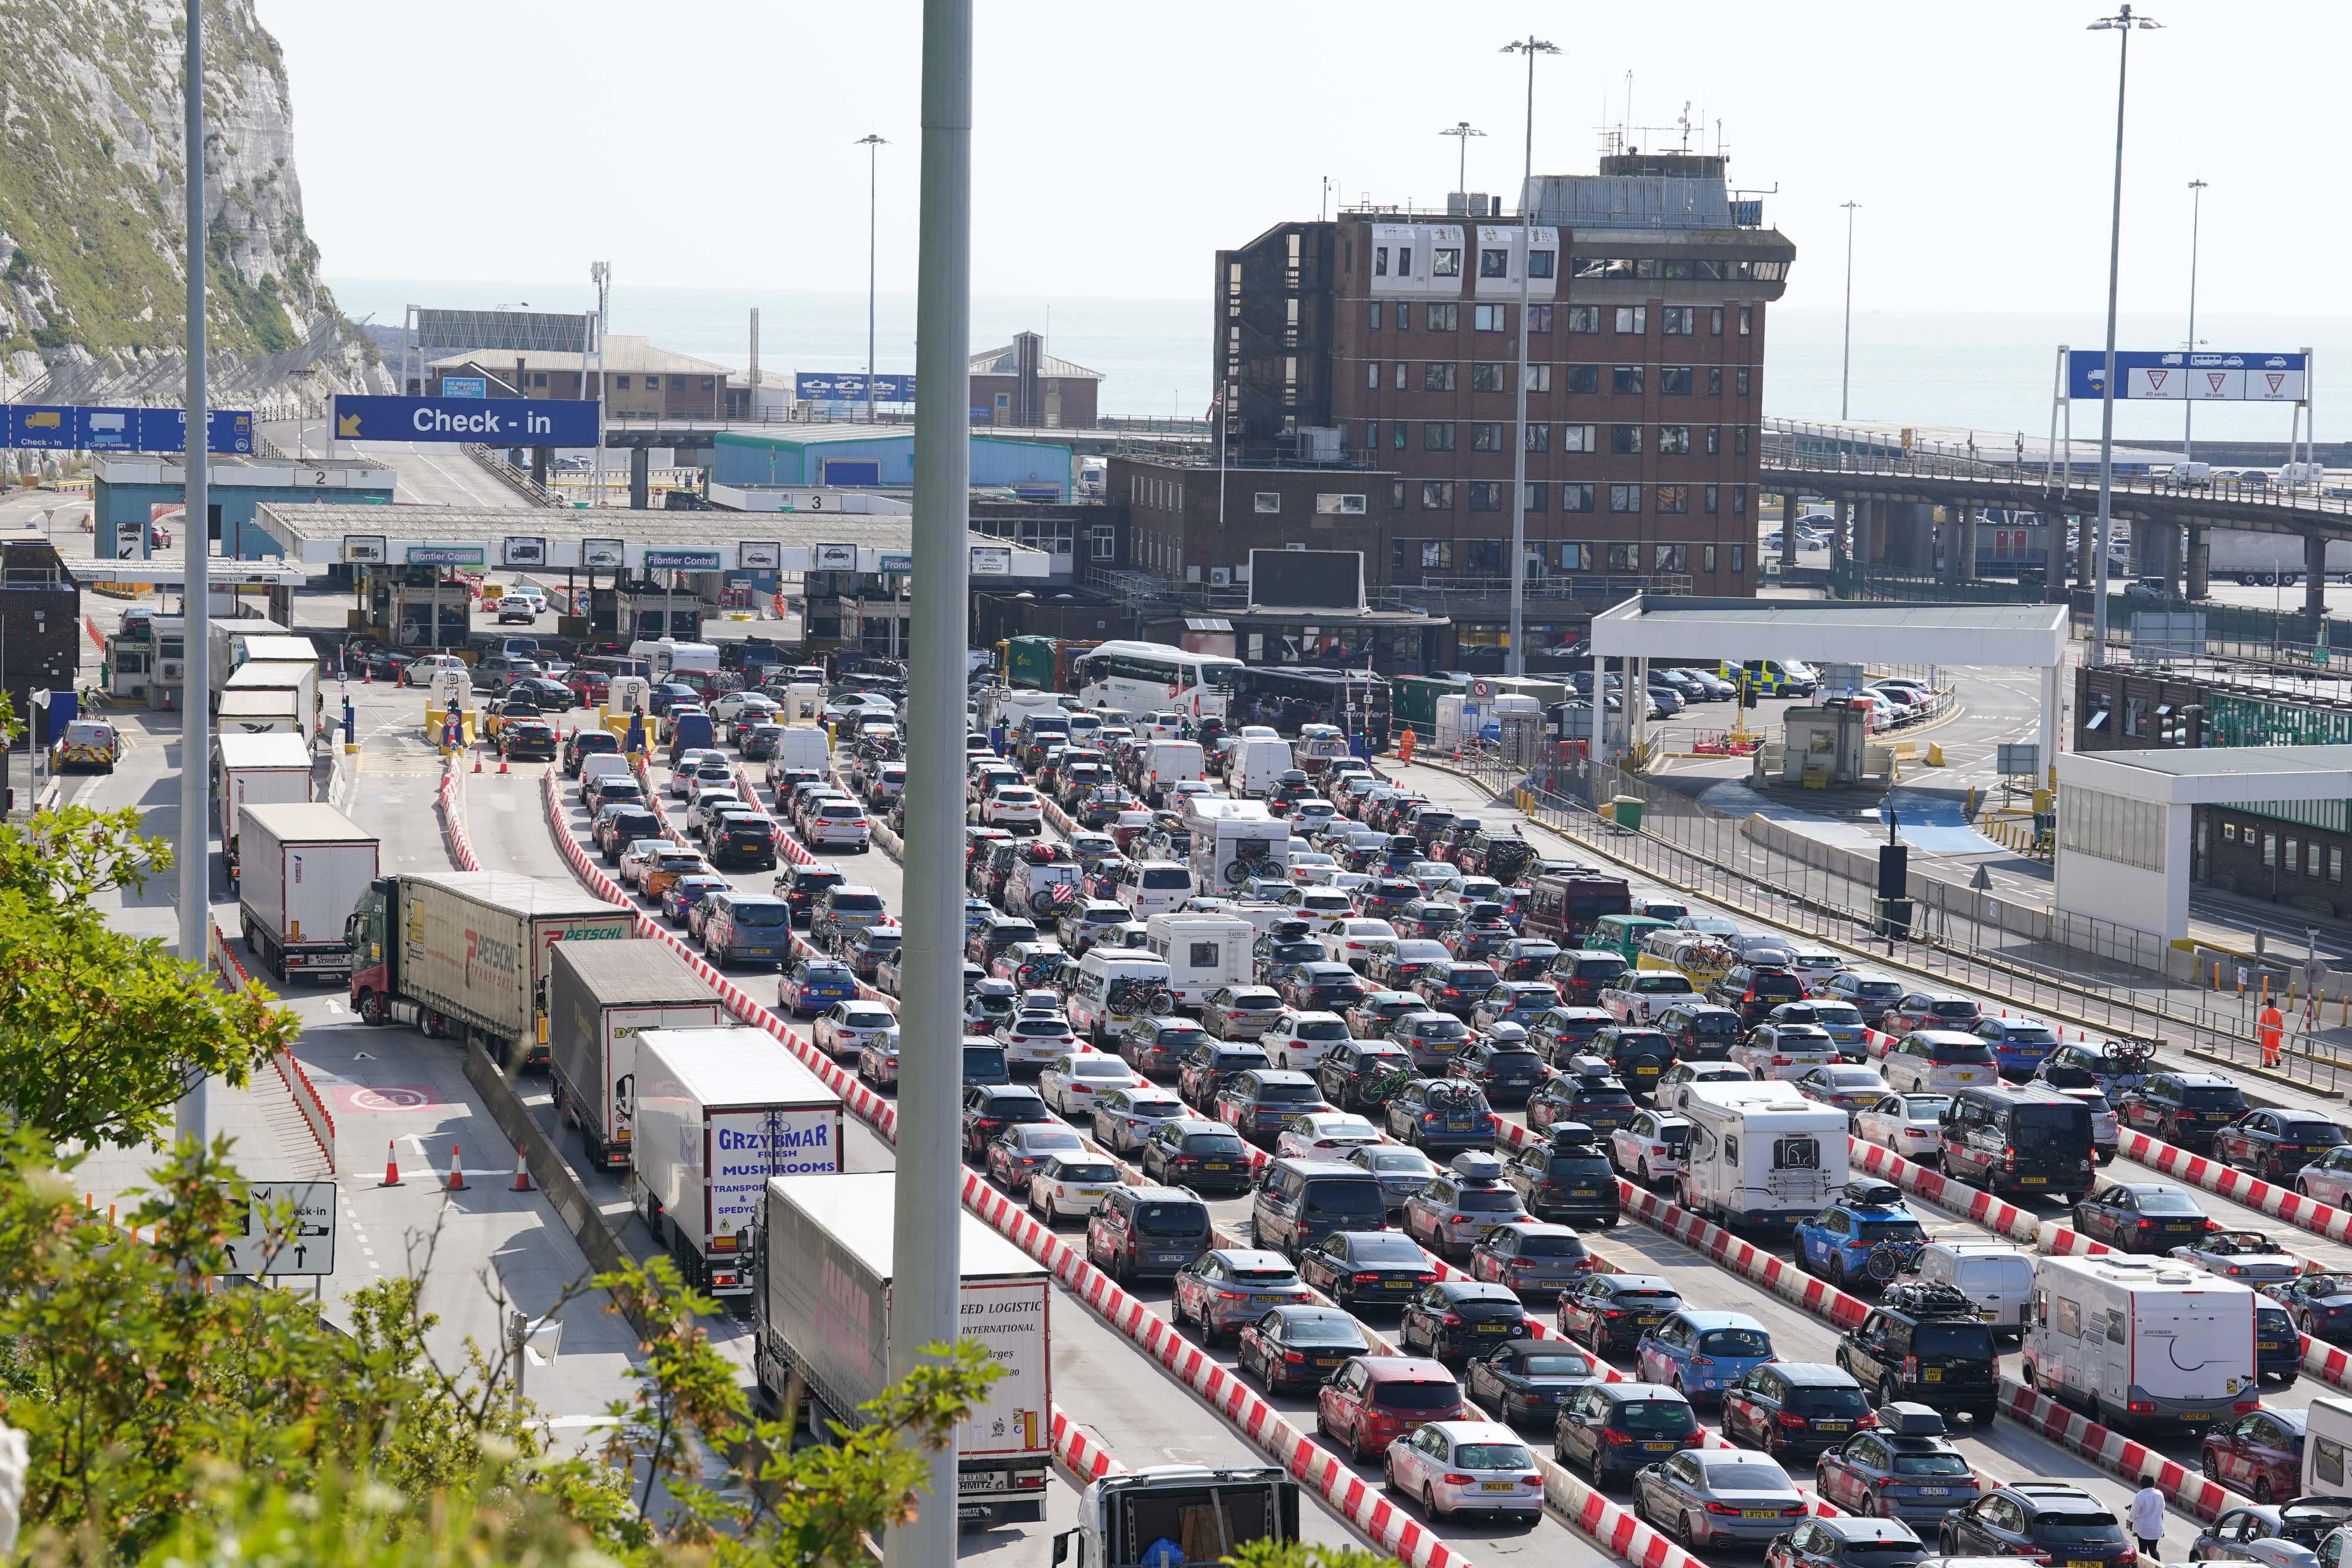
[2266, 990]
[2217, 974]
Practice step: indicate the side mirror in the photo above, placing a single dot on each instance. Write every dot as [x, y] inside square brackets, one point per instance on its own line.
[1062, 1545]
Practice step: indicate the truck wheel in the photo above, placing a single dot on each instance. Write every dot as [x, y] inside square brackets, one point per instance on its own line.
[372, 1008]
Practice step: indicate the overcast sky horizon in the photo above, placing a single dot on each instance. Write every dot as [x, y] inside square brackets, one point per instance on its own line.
[713, 146]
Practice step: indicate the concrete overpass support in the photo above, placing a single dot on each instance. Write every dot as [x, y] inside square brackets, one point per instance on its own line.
[539, 458]
[641, 469]
[1841, 535]
[1959, 543]
[2314, 580]
[2200, 563]
[1911, 536]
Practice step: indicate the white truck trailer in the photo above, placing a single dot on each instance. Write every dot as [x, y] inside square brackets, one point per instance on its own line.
[1760, 1154]
[300, 680]
[463, 955]
[2141, 1341]
[256, 770]
[1204, 1514]
[600, 997]
[718, 1113]
[307, 866]
[824, 1265]
[273, 711]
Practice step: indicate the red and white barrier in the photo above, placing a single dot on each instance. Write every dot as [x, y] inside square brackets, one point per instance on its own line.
[316, 1117]
[2227, 1181]
[1079, 1451]
[1978, 1207]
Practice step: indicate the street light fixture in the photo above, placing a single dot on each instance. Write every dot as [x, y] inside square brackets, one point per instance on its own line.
[872, 144]
[1845, 374]
[1462, 131]
[1516, 654]
[2124, 22]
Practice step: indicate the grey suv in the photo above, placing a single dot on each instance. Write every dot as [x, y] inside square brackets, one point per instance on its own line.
[746, 928]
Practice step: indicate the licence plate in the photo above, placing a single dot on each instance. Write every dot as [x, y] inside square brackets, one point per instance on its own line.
[2077, 1563]
[1090, 1192]
[2180, 1228]
[2033, 1181]
[1168, 1257]
[1499, 1486]
[2267, 1344]
[1216, 1165]
[1966, 1077]
[1932, 1375]
[1494, 1328]
[1290, 1120]
[1935, 1491]
[2197, 1414]
[1268, 1301]
[1759, 1513]
[1650, 1322]
[1832, 1425]
[1584, 1192]
[1396, 1284]
[1660, 1447]
[1326, 1361]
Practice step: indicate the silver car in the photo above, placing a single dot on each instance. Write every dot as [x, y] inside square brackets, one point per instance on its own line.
[1531, 1258]
[1125, 1117]
[1706, 1497]
[1401, 1171]
[1849, 1089]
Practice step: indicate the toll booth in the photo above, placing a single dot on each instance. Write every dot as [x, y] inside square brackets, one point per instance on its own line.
[1824, 747]
[415, 606]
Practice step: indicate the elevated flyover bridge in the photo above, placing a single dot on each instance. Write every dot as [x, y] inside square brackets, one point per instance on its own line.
[1891, 489]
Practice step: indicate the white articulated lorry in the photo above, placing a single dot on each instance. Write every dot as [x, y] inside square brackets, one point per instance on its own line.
[823, 1263]
[298, 683]
[600, 997]
[256, 770]
[306, 868]
[718, 1113]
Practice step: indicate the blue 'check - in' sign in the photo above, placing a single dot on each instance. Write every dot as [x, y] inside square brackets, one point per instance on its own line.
[493, 422]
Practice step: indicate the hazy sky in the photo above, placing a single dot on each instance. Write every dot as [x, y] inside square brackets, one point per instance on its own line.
[705, 144]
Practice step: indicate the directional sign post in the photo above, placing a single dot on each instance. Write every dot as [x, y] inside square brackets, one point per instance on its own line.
[2177, 375]
[491, 422]
[305, 1247]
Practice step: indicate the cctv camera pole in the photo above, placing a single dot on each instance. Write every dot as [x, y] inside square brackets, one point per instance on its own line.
[929, 1207]
[195, 540]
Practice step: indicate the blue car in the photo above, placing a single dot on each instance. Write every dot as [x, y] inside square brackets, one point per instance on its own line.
[812, 985]
[1701, 1353]
[685, 891]
[2019, 1044]
[1863, 1239]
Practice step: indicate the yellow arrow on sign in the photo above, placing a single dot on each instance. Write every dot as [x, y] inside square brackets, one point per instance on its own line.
[348, 427]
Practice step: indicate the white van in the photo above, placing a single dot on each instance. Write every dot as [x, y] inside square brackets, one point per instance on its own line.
[1258, 764]
[2327, 1442]
[1760, 1154]
[1169, 762]
[1153, 887]
[668, 658]
[1996, 1275]
[1115, 987]
[601, 765]
[801, 746]
[2140, 1341]
[1202, 952]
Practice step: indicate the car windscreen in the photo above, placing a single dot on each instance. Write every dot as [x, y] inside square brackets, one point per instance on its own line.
[1323, 1330]
[1171, 1218]
[1565, 1168]
[2315, 1131]
[1493, 1456]
[2167, 1200]
[1870, 1232]
[1654, 984]
[1599, 970]
[1385, 1247]
[763, 912]
[1403, 1395]
[1967, 1342]
[1827, 1401]
[1403, 1162]
[1735, 1343]
[2051, 1129]
[1748, 1478]
[1878, 990]
[1656, 1419]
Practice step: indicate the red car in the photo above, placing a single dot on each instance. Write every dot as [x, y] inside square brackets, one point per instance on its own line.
[1373, 1400]
[588, 687]
[2260, 1455]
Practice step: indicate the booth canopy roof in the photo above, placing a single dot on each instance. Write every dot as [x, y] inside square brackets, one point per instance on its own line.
[1676, 627]
[2203, 776]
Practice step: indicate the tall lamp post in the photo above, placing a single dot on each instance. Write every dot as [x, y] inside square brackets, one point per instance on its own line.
[1845, 373]
[1515, 661]
[2124, 22]
[1462, 131]
[873, 146]
[2188, 404]
[190, 1118]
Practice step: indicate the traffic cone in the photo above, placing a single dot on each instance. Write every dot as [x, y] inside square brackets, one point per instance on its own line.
[523, 1176]
[367, 675]
[392, 1162]
[502, 762]
[457, 1169]
[478, 761]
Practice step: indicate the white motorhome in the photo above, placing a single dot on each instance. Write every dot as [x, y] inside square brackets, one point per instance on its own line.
[1233, 840]
[668, 658]
[1760, 1154]
[2326, 1443]
[1202, 952]
[2141, 1340]
[1115, 988]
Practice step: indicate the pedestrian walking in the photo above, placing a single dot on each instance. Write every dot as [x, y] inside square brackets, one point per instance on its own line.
[1405, 744]
[2271, 1027]
[2148, 1518]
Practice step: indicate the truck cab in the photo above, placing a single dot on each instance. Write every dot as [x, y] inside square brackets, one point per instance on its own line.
[1178, 1514]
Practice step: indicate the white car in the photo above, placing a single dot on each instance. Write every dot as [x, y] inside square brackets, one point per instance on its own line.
[1067, 1186]
[699, 812]
[839, 824]
[1669, 1094]
[1637, 996]
[711, 771]
[1938, 1060]
[1034, 1040]
[1320, 905]
[420, 671]
[682, 771]
[843, 1028]
[988, 775]
[2328, 1178]
[1297, 1042]
[1124, 1118]
[1325, 1135]
[1311, 868]
[1452, 1467]
[725, 708]
[1070, 1084]
[1813, 967]
[1908, 1123]
[1353, 940]
[1786, 1051]
[1013, 806]
[1651, 1147]
[878, 1060]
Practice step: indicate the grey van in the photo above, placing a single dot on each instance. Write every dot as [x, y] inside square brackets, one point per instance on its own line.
[1302, 1201]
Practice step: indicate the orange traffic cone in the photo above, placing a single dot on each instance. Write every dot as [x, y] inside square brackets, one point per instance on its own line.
[392, 1162]
[367, 675]
[522, 1175]
[478, 762]
[457, 1170]
[502, 762]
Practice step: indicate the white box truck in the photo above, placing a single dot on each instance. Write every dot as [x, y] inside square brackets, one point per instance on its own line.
[1233, 840]
[1202, 952]
[307, 866]
[720, 1111]
[1203, 1513]
[464, 954]
[824, 1263]
[600, 997]
[256, 770]
[301, 680]
[2141, 1341]
[1760, 1154]
[277, 711]
[263, 648]
[226, 637]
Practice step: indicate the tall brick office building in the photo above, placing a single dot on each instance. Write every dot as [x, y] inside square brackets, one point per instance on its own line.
[1386, 339]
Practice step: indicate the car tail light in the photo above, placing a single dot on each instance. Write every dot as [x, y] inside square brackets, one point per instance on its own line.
[1292, 1358]
[2008, 1159]
[1452, 1480]
[1723, 1508]
[1615, 1438]
[1790, 1419]
[2143, 1225]
[1702, 1361]
[1452, 1320]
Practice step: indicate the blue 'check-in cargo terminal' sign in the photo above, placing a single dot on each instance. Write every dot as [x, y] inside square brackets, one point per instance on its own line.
[2178, 375]
[55, 427]
[849, 386]
[491, 422]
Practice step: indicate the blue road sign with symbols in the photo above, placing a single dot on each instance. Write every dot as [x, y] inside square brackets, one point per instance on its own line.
[493, 422]
[2177, 375]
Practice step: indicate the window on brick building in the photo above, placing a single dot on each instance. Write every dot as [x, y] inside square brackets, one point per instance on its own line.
[1423, 555]
[1673, 381]
[1738, 559]
[1714, 440]
[1709, 500]
[1379, 264]
[1542, 262]
[1371, 375]
[1490, 318]
[1672, 499]
[1482, 555]
[1494, 263]
[1443, 317]
[1746, 320]
[1674, 440]
[1396, 491]
[1486, 495]
[1715, 380]
[1437, 435]
[1584, 318]
[1539, 437]
[1576, 497]
[1625, 497]
[1707, 559]
[1400, 373]
[1539, 316]
[1743, 380]
[1675, 320]
[1538, 378]
[1404, 317]
[1488, 375]
[1625, 380]
[1584, 378]
[1486, 435]
[1633, 318]
[1625, 558]
[1437, 495]
[1372, 435]
[1715, 322]
[1740, 500]
[1374, 315]
[1671, 558]
[1437, 375]
[1575, 556]
[1396, 434]
[1267, 501]
[1447, 262]
[1535, 498]
[1625, 439]
[1578, 438]
[1739, 440]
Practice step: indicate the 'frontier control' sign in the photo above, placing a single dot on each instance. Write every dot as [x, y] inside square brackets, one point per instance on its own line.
[492, 421]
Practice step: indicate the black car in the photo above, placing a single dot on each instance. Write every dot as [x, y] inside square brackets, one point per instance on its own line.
[1638, 1055]
[1926, 1342]
[988, 1109]
[1753, 990]
[1565, 1033]
[1847, 1542]
[1294, 1347]
[582, 743]
[745, 840]
[1210, 1066]
[2278, 1352]
[2184, 1109]
[1196, 1153]
[527, 740]
[1607, 1431]
[2141, 1217]
[1361, 1074]
[2274, 1145]
[1453, 1320]
[1569, 1179]
[1360, 1269]
[1455, 986]
[1440, 1116]
[1794, 1407]
[1506, 1071]
[1526, 1381]
[2319, 1304]
[1594, 1098]
[800, 885]
[1700, 1031]
[2049, 1521]
[1498, 853]
[1320, 987]
[1613, 1311]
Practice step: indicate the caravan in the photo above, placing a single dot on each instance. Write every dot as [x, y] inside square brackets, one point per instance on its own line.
[1760, 1154]
[1233, 840]
[2141, 1340]
[1203, 952]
